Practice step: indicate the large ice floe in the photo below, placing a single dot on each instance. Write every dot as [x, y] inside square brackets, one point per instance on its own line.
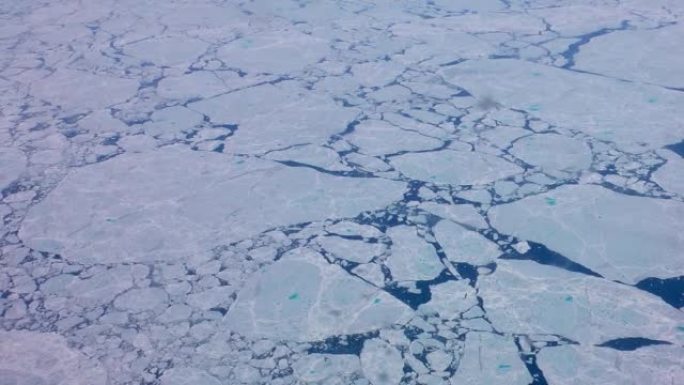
[372, 192]
[300, 297]
[171, 203]
[621, 237]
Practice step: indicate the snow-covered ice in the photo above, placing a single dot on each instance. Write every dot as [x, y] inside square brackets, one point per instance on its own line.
[621, 237]
[341, 192]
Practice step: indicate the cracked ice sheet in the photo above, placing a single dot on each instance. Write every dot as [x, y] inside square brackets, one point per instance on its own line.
[275, 117]
[529, 298]
[621, 237]
[670, 176]
[454, 167]
[12, 165]
[140, 208]
[660, 59]
[565, 365]
[301, 297]
[293, 93]
[605, 108]
[45, 358]
[491, 359]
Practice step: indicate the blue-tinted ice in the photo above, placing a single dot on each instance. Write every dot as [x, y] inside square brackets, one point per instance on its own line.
[351, 192]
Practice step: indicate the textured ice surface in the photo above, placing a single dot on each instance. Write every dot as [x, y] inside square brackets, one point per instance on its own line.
[491, 359]
[378, 138]
[605, 108]
[621, 237]
[670, 176]
[141, 208]
[45, 358]
[553, 153]
[411, 258]
[382, 363]
[594, 365]
[12, 165]
[454, 167]
[302, 298]
[463, 245]
[372, 192]
[659, 59]
[325, 367]
[535, 299]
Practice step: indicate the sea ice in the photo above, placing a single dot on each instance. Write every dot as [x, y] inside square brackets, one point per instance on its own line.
[454, 167]
[462, 245]
[606, 108]
[566, 365]
[670, 176]
[377, 137]
[138, 207]
[255, 53]
[490, 359]
[12, 165]
[411, 257]
[528, 298]
[271, 117]
[621, 237]
[381, 363]
[553, 153]
[45, 358]
[188, 376]
[301, 297]
[659, 59]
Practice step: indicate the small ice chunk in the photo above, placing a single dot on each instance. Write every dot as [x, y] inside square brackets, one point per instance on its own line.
[462, 245]
[412, 258]
[522, 247]
[381, 363]
[439, 360]
[450, 299]
[491, 359]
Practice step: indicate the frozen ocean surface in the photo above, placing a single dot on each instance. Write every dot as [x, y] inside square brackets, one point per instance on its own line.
[351, 192]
